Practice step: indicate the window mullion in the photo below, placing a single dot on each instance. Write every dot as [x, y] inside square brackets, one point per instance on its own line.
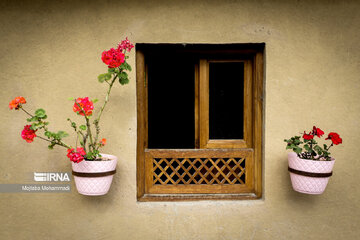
[204, 102]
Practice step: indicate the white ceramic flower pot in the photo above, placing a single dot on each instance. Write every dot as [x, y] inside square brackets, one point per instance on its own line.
[94, 178]
[309, 176]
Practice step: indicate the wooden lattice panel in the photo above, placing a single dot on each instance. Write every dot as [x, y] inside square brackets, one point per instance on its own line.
[199, 171]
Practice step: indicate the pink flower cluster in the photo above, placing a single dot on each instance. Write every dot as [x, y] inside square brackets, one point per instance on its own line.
[28, 134]
[85, 106]
[76, 156]
[113, 58]
[125, 45]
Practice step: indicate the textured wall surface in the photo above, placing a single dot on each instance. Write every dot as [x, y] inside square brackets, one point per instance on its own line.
[50, 50]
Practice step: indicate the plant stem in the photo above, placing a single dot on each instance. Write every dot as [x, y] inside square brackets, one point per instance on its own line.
[97, 120]
[26, 112]
[312, 141]
[332, 144]
[57, 143]
[84, 140]
[77, 138]
[89, 133]
[91, 145]
[87, 127]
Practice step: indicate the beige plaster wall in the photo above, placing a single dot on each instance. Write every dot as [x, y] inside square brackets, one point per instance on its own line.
[50, 50]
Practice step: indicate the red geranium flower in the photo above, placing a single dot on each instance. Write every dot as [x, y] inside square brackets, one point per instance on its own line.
[76, 156]
[308, 136]
[113, 58]
[16, 102]
[85, 106]
[28, 134]
[335, 138]
[317, 132]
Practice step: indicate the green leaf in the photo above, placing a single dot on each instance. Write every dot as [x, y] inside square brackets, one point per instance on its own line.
[123, 78]
[297, 150]
[318, 149]
[123, 81]
[307, 147]
[83, 127]
[107, 76]
[104, 77]
[123, 75]
[95, 100]
[97, 153]
[125, 66]
[89, 155]
[111, 70]
[62, 134]
[101, 78]
[40, 113]
[71, 99]
[32, 119]
[48, 134]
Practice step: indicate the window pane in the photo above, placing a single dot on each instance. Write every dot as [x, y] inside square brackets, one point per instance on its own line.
[226, 103]
[171, 80]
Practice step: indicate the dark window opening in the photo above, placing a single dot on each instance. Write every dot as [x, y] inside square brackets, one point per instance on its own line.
[226, 100]
[171, 93]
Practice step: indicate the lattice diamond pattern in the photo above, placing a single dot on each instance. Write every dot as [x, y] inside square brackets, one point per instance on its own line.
[209, 171]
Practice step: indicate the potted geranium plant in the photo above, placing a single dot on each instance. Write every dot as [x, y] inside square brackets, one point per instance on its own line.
[93, 171]
[310, 165]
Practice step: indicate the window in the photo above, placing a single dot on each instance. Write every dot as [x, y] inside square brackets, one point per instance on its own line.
[199, 109]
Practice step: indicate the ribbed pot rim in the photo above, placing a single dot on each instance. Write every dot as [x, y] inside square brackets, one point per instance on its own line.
[310, 160]
[112, 157]
[96, 166]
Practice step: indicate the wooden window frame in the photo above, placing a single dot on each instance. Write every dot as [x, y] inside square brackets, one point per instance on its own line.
[203, 81]
[250, 146]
